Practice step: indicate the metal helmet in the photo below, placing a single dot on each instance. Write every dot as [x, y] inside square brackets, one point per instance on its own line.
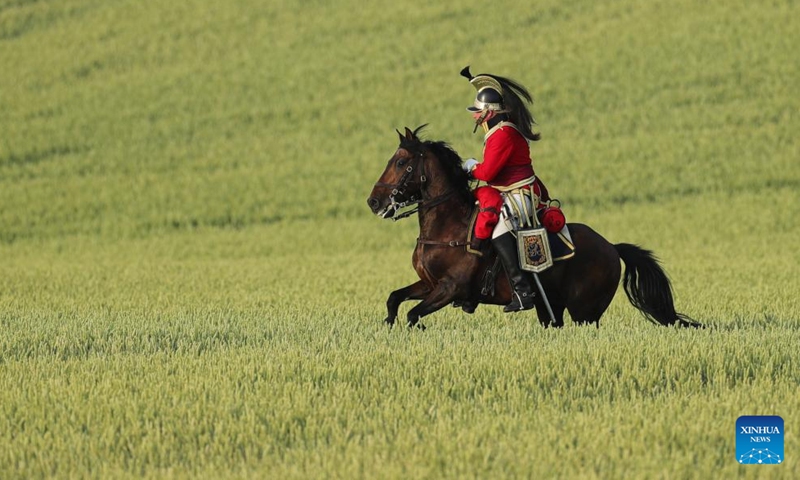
[502, 95]
[489, 97]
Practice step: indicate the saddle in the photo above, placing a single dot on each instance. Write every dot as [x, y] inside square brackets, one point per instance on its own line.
[554, 247]
[560, 243]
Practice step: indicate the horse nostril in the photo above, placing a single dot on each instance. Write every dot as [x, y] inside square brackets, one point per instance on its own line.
[373, 203]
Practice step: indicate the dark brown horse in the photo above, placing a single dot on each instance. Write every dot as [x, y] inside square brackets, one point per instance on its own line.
[429, 174]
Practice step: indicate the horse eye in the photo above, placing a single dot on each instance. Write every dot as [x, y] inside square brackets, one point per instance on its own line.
[401, 162]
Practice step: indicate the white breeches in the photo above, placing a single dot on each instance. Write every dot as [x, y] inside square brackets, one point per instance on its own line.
[516, 207]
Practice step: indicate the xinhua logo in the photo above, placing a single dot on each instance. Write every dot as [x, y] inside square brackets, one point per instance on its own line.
[759, 440]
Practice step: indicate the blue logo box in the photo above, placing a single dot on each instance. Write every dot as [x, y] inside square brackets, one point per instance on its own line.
[759, 440]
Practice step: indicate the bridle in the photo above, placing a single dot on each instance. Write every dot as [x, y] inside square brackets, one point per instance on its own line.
[399, 189]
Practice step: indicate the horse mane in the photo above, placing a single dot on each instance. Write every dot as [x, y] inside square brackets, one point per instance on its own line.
[449, 160]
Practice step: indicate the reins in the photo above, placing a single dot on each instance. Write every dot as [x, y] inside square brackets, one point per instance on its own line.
[432, 203]
[427, 204]
[422, 204]
[399, 188]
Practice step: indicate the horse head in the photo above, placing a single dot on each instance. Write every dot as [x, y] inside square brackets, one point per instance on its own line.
[419, 172]
[401, 183]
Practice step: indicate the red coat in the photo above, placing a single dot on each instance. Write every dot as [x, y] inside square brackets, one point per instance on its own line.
[506, 157]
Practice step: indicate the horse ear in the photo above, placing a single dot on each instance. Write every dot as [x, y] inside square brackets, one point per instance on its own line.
[399, 134]
[419, 128]
[409, 134]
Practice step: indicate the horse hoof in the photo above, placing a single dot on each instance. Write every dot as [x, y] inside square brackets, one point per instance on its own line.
[389, 321]
[466, 306]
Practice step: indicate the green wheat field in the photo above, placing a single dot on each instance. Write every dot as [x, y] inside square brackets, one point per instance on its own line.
[192, 285]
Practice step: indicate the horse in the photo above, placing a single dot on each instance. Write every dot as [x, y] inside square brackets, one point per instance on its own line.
[428, 175]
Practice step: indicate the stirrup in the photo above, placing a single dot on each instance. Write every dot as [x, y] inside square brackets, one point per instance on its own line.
[518, 304]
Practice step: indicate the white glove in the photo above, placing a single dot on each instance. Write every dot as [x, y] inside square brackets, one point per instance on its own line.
[469, 164]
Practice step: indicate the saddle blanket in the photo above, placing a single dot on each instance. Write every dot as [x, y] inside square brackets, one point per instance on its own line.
[561, 246]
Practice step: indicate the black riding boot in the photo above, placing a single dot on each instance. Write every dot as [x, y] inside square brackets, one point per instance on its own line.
[522, 297]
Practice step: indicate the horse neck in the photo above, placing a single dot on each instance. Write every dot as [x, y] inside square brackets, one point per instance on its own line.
[439, 219]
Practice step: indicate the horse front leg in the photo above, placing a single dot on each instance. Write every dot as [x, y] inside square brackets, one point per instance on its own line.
[444, 293]
[415, 291]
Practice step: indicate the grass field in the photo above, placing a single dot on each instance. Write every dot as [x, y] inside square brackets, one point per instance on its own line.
[192, 285]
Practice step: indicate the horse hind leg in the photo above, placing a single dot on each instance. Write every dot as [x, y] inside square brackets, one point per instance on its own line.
[467, 306]
[544, 315]
[589, 298]
[588, 313]
[594, 276]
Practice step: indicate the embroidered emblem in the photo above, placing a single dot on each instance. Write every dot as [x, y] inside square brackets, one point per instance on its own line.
[534, 250]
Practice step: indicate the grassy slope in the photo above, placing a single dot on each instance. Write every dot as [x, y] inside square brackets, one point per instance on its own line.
[167, 173]
[125, 118]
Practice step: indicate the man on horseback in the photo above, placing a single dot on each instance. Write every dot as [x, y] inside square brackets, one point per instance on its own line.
[513, 192]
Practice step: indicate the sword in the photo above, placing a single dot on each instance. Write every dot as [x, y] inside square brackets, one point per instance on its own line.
[544, 297]
[534, 222]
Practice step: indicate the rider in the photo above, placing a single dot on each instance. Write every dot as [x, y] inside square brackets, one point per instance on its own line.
[508, 170]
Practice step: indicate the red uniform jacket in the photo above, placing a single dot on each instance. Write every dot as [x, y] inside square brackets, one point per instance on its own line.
[506, 161]
[506, 157]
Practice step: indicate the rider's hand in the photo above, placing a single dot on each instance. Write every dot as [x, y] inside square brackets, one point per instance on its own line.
[469, 165]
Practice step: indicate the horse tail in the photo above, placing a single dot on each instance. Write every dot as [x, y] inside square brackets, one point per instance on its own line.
[648, 288]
